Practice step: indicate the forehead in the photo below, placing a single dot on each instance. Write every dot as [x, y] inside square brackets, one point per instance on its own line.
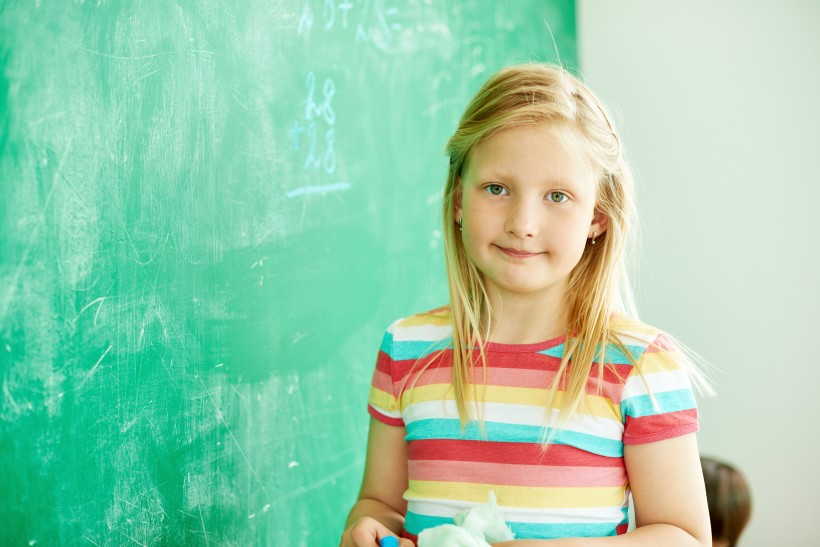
[555, 151]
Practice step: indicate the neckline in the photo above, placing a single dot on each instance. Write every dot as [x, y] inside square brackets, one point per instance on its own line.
[525, 348]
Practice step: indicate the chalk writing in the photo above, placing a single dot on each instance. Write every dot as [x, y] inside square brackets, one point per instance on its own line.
[319, 189]
[369, 20]
[325, 109]
[306, 127]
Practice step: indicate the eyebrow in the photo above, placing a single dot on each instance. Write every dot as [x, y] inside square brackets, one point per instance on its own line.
[495, 175]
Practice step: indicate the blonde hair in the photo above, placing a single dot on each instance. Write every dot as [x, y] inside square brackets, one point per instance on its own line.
[527, 95]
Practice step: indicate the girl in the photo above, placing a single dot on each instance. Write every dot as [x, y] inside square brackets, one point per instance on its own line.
[536, 382]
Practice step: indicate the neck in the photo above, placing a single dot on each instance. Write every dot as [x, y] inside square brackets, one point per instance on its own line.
[527, 319]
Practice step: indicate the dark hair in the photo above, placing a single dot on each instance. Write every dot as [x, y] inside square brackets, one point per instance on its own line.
[729, 499]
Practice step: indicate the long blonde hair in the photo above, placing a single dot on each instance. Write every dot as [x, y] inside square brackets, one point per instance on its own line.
[525, 95]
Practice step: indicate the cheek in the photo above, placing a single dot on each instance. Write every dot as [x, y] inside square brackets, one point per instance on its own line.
[474, 222]
[476, 236]
[573, 237]
[470, 236]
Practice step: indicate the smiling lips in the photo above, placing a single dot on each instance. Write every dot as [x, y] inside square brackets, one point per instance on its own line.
[516, 253]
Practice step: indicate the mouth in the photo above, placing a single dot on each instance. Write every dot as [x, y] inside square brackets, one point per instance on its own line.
[515, 253]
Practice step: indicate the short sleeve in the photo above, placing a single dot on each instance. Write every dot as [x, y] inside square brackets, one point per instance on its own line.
[383, 404]
[658, 402]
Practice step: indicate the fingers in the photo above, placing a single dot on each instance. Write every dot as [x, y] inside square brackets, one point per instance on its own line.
[396, 541]
[400, 542]
[366, 532]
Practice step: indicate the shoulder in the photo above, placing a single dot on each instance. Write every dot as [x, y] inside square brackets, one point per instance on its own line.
[419, 334]
[646, 343]
[430, 325]
[633, 332]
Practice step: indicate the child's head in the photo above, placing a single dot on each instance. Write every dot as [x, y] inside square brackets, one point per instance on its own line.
[547, 97]
[729, 499]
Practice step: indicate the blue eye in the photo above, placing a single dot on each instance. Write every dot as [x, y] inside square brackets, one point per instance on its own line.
[495, 189]
[557, 197]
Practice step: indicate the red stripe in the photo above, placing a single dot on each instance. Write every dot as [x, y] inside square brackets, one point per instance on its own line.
[518, 377]
[661, 343]
[382, 381]
[384, 363]
[537, 476]
[525, 361]
[384, 419]
[510, 370]
[522, 361]
[658, 427]
[510, 453]
[410, 368]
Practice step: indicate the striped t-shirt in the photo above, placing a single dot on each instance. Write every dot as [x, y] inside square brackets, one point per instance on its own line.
[579, 487]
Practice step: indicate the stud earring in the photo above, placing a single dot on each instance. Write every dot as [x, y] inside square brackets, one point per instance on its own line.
[459, 224]
[593, 237]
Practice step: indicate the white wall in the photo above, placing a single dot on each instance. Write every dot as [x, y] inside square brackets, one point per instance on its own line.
[720, 105]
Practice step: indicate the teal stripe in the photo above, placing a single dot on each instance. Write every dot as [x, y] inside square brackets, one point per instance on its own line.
[510, 433]
[415, 523]
[414, 349]
[531, 530]
[557, 351]
[528, 530]
[614, 355]
[668, 401]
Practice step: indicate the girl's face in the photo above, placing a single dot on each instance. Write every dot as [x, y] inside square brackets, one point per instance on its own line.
[527, 208]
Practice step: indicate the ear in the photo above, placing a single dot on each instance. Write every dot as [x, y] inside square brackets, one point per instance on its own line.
[600, 221]
[458, 211]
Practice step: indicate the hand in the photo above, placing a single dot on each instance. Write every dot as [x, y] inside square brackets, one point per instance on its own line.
[366, 532]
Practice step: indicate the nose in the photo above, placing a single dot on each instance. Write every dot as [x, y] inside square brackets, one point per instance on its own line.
[524, 219]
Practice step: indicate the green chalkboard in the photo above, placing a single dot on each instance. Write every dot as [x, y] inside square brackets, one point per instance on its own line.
[209, 212]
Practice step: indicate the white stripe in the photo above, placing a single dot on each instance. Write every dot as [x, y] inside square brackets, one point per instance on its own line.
[421, 333]
[445, 409]
[567, 515]
[658, 382]
[387, 413]
[433, 507]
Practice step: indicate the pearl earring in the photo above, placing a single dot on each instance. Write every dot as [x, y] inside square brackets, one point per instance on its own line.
[593, 237]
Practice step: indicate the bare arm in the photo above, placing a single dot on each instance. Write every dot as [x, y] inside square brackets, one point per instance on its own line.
[380, 508]
[669, 496]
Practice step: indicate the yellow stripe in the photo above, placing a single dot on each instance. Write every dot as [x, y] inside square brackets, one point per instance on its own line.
[623, 324]
[426, 319]
[383, 400]
[597, 406]
[519, 496]
[660, 361]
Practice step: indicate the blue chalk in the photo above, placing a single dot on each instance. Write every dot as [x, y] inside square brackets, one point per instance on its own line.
[389, 541]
